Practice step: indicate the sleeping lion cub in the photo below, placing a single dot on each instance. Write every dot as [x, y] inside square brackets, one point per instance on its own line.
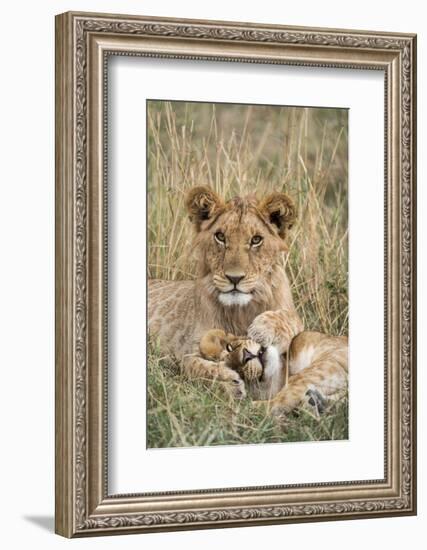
[316, 368]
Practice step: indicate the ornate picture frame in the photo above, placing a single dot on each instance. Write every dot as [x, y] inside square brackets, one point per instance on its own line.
[84, 42]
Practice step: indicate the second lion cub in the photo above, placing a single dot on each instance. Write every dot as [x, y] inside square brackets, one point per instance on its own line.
[315, 369]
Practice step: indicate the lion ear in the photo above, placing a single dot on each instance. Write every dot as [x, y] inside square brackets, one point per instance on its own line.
[202, 204]
[280, 211]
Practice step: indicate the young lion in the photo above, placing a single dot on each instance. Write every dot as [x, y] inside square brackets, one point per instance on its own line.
[241, 285]
[315, 369]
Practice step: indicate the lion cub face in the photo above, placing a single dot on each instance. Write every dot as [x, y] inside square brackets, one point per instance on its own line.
[238, 241]
[247, 358]
[240, 354]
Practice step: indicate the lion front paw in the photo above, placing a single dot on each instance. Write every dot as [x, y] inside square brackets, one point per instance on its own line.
[237, 390]
[263, 328]
[275, 328]
[232, 383]
[316, 400]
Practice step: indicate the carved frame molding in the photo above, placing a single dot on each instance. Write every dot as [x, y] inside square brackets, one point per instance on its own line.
[83, 43]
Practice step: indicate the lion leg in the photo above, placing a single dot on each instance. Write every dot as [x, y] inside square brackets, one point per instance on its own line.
[195, 367]
[312, 385]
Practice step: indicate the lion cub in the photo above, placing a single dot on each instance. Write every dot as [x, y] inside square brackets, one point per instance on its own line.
[262, 369]
[315, 368]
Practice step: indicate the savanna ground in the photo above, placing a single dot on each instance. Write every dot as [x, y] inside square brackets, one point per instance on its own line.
[239, 149]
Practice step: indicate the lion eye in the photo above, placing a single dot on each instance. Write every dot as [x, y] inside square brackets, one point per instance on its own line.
[229, 347]
[220, 237]
[256, 240]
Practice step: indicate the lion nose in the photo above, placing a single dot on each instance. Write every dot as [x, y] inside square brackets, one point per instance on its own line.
[235, 279]
[247, 355]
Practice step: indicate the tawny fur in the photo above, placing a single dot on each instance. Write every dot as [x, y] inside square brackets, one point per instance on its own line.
[180, 312]
[240, 354]
[213, 344]
[317, 362]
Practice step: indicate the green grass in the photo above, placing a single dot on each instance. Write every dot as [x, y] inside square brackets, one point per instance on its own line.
[183, 413]
[238, 149]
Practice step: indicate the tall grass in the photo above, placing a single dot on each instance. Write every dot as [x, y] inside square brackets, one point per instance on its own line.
[240, 149]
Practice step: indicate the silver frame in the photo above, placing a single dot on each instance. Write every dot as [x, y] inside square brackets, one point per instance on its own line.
[83, 43]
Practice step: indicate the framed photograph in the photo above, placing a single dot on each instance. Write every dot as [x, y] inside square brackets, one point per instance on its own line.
[235, 274]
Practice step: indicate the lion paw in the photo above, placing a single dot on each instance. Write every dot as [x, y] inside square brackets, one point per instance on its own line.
[316, 400]
[275, 328]
[262, 328]
[233, 384]
[235, 389]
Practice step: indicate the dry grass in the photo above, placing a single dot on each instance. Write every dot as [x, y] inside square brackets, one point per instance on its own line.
[239, 149]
